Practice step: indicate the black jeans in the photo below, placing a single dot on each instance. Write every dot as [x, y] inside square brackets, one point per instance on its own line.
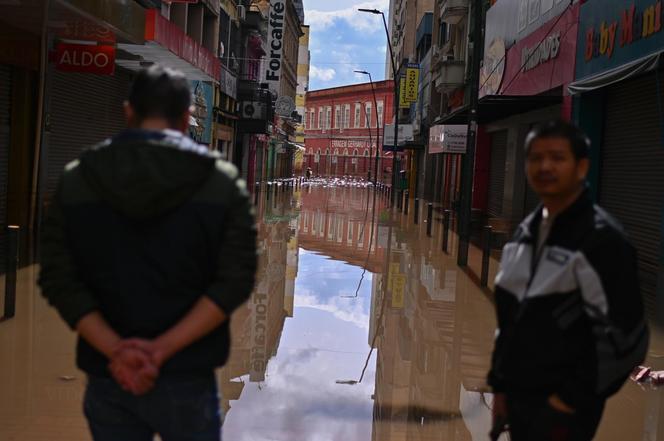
[178, 409]
[532, 419]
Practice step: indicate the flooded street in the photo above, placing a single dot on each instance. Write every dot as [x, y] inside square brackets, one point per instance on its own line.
[353, 333]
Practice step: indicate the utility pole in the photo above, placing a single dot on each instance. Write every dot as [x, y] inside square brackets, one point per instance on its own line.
[468, 161]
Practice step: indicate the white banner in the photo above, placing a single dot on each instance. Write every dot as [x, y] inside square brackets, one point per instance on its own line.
[448, 138]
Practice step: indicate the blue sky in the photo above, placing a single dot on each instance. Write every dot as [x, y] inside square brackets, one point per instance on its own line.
[344, 40]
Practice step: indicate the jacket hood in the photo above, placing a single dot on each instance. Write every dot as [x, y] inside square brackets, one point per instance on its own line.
[144, 174]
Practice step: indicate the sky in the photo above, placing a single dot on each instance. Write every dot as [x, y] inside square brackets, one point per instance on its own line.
[326, 341]
[343, 40]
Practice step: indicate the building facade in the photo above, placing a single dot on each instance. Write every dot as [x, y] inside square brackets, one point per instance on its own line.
[344, 127]
[618, 102]
[303, 67]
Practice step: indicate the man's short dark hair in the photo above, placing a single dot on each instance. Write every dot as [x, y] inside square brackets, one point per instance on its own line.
[160, 92]
[578, 140]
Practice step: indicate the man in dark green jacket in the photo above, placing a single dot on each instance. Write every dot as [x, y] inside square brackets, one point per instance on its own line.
[147, 248]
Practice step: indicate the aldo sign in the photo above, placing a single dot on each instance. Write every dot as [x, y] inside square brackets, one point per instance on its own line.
[86, 58]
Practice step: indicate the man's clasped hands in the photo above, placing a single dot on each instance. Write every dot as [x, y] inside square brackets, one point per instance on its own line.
[135, 364]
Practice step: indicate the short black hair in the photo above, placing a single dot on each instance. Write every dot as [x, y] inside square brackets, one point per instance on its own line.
[160, 92]
[561, 129]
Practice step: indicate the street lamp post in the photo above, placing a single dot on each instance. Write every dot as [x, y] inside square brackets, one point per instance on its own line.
[395, 104]
[373, 91]
[468, 161]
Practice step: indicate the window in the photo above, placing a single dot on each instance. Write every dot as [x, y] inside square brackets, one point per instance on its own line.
[380, 114]
[346, 152]
[329, 117]
[347, 116]
[366, 152]
[355, 152]
[337, 118]
[357, 115]
[368, 110]
[320, 118]
[312, 119]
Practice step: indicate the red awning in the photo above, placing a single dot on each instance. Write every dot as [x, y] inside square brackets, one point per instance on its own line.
[167, 44]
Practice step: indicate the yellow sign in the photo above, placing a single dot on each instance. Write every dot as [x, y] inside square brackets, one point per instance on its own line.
[403, 102]
[412, 84]
[399, 285]
[393, 271]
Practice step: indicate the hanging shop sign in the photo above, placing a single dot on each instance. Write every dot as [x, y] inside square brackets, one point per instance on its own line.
[275, 35]
[228, 83]
[412, 82]
[202, 114]
[615, 32]
[448, 138]
[85, 58]
[284, 106]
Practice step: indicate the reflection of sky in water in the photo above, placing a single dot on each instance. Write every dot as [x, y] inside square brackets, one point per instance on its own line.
[325, 341]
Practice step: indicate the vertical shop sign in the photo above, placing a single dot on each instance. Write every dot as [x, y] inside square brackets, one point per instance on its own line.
[202, 114]
[412, 82]
[275, 35]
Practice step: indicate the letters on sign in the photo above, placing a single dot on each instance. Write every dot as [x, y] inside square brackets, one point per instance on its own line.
[86, 58]
[276, 44]
[631, 26]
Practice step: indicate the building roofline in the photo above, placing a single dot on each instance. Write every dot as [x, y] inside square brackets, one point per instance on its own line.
[352, 87]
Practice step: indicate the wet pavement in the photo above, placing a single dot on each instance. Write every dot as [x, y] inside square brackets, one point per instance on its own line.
[316, 354]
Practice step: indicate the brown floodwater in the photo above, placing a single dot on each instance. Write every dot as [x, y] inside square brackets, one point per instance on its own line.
[360, 328]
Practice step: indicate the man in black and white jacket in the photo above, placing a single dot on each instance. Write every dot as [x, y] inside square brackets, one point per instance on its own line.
[570, 313]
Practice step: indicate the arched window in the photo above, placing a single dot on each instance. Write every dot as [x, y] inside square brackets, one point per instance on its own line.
[318, 152]
[355, 152]
[336, 152]
[327, 151]
[366, 152]
[346, 152]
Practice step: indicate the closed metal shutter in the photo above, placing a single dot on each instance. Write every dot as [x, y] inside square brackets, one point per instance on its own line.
[84, 110]
[497, 173]
[5, 111]
[632, 171]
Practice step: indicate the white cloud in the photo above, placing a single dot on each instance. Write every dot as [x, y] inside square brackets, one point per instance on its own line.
[323, 74]
[359, 21]
[349, 310]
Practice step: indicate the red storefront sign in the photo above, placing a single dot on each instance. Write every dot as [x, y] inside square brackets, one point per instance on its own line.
[86, 58]
[543, 60]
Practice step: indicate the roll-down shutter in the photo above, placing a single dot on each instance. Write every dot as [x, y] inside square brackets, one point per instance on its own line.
[84, 110]
[497, 172]
[632, 171]
[5, 111]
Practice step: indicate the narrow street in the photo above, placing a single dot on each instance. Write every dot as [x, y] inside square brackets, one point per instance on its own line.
[302, 365]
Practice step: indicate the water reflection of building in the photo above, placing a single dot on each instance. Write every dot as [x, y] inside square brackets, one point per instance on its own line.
[256, 326]
[435, 335]
[337, 222]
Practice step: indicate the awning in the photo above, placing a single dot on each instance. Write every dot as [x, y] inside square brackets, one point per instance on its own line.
[168, 45]
[612, 76]
[497, 107]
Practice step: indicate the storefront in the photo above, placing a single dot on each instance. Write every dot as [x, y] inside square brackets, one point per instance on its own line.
[528, 62]
[619, 103]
